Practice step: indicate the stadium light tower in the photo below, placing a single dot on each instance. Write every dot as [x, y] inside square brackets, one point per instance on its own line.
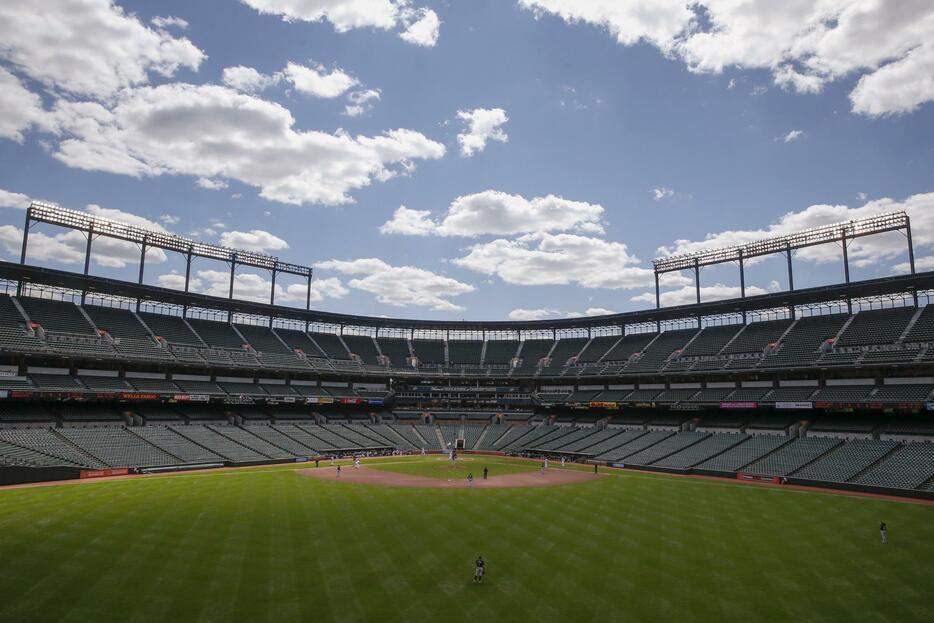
[95, 226]
[843, 233]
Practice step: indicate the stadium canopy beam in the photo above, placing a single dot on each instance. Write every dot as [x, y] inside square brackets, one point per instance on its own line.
[75, 281]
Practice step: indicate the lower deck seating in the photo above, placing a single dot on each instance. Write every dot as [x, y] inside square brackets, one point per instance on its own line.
[793, 456]
[908, 468]
[117, 447]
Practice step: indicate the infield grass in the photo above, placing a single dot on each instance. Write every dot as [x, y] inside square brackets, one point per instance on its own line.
[436, 466]
[271, 545]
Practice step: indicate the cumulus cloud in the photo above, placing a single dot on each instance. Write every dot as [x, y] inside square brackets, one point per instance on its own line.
[862, 251]
[498, 213]
[20, 108]
[318, 81]
[89, 47]
[422, 29]
[400, 286]
[360, 102]
[214, 132]
[248, 79]
[416, 26]
[483, 124]
[533, 314]
[169, 219]
[687, 295]
[9, 199]
[409, 222]
[805, 44]
[69, 247]
[543, 312]
[560, 259]
[253, 240]
[253, 287]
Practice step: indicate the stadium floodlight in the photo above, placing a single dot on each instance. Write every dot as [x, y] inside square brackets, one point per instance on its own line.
[842, 232]
[97, 226]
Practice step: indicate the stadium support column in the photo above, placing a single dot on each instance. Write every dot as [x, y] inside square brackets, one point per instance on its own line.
[697, 287]
[272, 294]
[87, 259]
[308, 294]
[22, 255]
[658, 302]
[233, 274]
[791, 276]
[142, 267]
[742, 282]
[187, 279]
[846, 268]
[911, 255]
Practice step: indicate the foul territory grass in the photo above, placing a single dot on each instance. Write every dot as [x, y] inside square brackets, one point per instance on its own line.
[271, 545]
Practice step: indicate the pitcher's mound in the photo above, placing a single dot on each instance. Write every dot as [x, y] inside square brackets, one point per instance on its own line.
[393, 479]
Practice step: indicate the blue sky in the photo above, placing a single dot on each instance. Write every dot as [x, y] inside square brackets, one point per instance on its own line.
[600, 139]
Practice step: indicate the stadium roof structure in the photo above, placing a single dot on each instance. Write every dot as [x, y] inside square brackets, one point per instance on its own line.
[842, 233]
[886, 286]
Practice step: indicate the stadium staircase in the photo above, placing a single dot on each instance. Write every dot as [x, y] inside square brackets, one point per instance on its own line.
[483, 434]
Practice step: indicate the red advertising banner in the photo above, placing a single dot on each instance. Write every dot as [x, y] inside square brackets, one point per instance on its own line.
[138, 396]
[744, 476]
[100, 473]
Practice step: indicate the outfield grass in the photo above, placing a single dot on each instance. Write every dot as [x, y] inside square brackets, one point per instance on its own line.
[271, 545]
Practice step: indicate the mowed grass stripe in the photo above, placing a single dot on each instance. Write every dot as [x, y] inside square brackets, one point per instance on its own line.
[268, 545]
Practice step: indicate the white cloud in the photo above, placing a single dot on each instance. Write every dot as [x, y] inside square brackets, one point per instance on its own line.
[17, 201]
[921, 263]
[400, 286]
[559, 259]
[169, 22]
[213, 132]
[253, 240]
[248, 80]
[169, 219]
[499, 213]
[590, 311]
[862, 251]
[20, 108]
[792, 136]
[483, 124]
[253, 287]
[805, 44]
[629, 22]
[533, 314]
[409, 222]
[360, 102]
[209, 184]
[423, 30]
[662, 193]
[89, 47]
[686, 295]
[317, 81]
[418, 26]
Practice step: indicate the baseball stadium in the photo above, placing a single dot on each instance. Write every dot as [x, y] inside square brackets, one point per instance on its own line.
[216, 459]
[480, 311]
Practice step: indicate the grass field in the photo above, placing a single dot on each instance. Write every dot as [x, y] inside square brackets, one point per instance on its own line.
[440, 467]
[271, 545]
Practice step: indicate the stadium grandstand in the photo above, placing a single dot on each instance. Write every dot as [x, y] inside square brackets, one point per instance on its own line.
[829, 386]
